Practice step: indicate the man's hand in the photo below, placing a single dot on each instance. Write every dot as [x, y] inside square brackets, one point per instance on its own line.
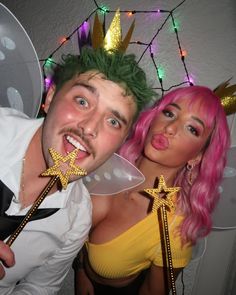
[6, 257]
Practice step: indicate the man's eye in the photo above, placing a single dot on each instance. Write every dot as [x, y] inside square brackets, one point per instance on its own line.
[168, 113]
[114, 123]
[82, 101]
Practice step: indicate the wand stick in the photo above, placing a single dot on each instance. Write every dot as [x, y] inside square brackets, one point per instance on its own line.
[56, 174]
[32, 210]
[168, 249]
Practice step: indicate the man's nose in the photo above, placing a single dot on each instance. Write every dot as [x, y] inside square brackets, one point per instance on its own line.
[89, 126]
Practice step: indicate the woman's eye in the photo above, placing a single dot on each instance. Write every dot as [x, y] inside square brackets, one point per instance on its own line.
[168, 113]
[193, 130]
[114, 123]
[82, 101]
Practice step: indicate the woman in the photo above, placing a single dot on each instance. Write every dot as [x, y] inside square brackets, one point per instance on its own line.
[184, 137]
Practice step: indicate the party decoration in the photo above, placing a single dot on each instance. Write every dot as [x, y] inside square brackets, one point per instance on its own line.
[57, 174]
[160, 204]
[227, 94]
[84, 36]
[113, 38]
[98, 34]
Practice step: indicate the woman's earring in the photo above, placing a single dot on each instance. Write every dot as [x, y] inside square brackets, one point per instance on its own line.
[189, 168]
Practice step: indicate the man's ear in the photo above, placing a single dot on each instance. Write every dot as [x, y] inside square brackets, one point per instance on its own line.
[49, 97]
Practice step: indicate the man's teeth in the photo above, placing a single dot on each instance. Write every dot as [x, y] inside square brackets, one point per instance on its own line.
[75, 143]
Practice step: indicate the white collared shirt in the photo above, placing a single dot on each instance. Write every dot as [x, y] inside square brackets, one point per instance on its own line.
[45, 249]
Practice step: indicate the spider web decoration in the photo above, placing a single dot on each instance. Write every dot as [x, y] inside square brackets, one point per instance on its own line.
[151, 53]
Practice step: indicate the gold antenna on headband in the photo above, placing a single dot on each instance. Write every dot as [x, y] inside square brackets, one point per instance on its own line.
[227, 95]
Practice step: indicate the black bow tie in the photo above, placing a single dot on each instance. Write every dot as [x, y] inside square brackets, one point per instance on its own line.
[8, 224]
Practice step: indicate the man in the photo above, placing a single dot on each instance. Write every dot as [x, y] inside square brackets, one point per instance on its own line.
[91, 106]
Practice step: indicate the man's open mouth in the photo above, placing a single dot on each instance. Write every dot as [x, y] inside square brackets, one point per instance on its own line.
[74, 143]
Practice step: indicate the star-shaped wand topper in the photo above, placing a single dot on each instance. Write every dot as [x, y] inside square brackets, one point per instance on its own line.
[168, 193]
[62, 169]
[66, 163]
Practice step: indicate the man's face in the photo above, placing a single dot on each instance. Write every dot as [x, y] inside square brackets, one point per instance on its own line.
[89, 113]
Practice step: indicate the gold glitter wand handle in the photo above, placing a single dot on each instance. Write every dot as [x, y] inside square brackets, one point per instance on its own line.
[57, 174]
[168, 249]
[32, 210]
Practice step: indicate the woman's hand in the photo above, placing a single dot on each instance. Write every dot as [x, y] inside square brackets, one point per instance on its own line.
[83, 286]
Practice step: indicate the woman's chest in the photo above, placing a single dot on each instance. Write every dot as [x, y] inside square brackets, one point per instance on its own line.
[125, 212]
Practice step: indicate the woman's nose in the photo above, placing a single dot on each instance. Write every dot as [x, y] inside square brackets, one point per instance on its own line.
[171, 128]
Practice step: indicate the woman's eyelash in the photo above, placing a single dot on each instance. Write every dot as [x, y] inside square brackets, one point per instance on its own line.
[168, 113]
[193, 130]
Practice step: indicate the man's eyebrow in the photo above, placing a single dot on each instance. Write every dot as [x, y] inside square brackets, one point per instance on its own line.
[119, 116]
[89, 87]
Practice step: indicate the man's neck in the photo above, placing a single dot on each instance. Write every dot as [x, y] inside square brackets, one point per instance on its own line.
[34, 165]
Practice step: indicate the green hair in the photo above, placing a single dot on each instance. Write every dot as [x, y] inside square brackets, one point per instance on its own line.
[116, 66]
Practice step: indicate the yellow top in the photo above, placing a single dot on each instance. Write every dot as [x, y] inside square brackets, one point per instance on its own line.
[137, 248]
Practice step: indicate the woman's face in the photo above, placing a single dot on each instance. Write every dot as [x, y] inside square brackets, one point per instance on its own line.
[177, 135]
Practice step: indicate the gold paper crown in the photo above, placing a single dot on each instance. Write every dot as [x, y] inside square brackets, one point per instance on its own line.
[227, 96]
[113, 38]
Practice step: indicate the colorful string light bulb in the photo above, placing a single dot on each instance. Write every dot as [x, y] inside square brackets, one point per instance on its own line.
[63, 40]
[49, 62]
[160, 73]
[103, 9]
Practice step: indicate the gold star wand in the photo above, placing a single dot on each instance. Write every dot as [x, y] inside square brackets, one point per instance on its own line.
[161, 203]
[57, 174]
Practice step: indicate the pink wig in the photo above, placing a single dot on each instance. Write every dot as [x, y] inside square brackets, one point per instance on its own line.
[197, 200]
